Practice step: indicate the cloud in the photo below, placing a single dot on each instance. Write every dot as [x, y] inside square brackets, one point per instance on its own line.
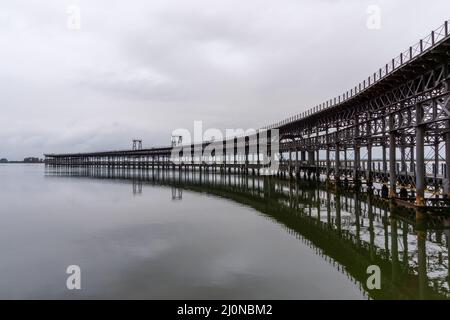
[147, 68]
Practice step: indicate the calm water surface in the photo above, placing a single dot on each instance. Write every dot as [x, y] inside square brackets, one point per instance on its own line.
[165, 235]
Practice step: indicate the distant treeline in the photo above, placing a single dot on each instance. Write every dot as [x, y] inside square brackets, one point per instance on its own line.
[25, 160]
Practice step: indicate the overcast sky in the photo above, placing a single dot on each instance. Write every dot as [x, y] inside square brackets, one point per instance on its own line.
[145, 68]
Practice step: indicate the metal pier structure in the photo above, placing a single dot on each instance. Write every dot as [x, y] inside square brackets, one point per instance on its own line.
[391, 132]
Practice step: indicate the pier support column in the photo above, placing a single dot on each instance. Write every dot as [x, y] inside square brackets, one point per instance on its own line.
[392, 161]
[337, 164]
[337, 173]
[356, 164]
[258, 161]
[369, 165]
[235, 162]
[269, 150]
[369, 151]
[311, 162]
[290, 164]
[302, 159]
[403, 156]
[383, 150]
[420, 170]
[345, 161]
[447, 164]
[328, 164]
[246, 151]
[356, 151]
[311, 157]
[436, 165]
[327, 154]
[317, 160]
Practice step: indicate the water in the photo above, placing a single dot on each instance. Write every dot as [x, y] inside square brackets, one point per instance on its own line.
[158, 235]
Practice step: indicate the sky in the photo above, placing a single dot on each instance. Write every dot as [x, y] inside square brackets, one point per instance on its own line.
[90, 75]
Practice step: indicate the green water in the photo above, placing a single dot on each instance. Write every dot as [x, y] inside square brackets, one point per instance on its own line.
[171, 235]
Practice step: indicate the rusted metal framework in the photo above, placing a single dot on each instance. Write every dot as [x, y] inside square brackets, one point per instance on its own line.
[402, 111]
[392, 129]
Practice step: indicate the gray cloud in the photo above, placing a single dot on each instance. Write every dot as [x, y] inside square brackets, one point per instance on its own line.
[143, 69]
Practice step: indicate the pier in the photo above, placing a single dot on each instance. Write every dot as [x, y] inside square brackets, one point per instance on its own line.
[389, 134]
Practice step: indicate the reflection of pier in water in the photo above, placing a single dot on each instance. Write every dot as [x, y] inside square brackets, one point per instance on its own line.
[350, 230]
[137, 187]
[177, 193]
